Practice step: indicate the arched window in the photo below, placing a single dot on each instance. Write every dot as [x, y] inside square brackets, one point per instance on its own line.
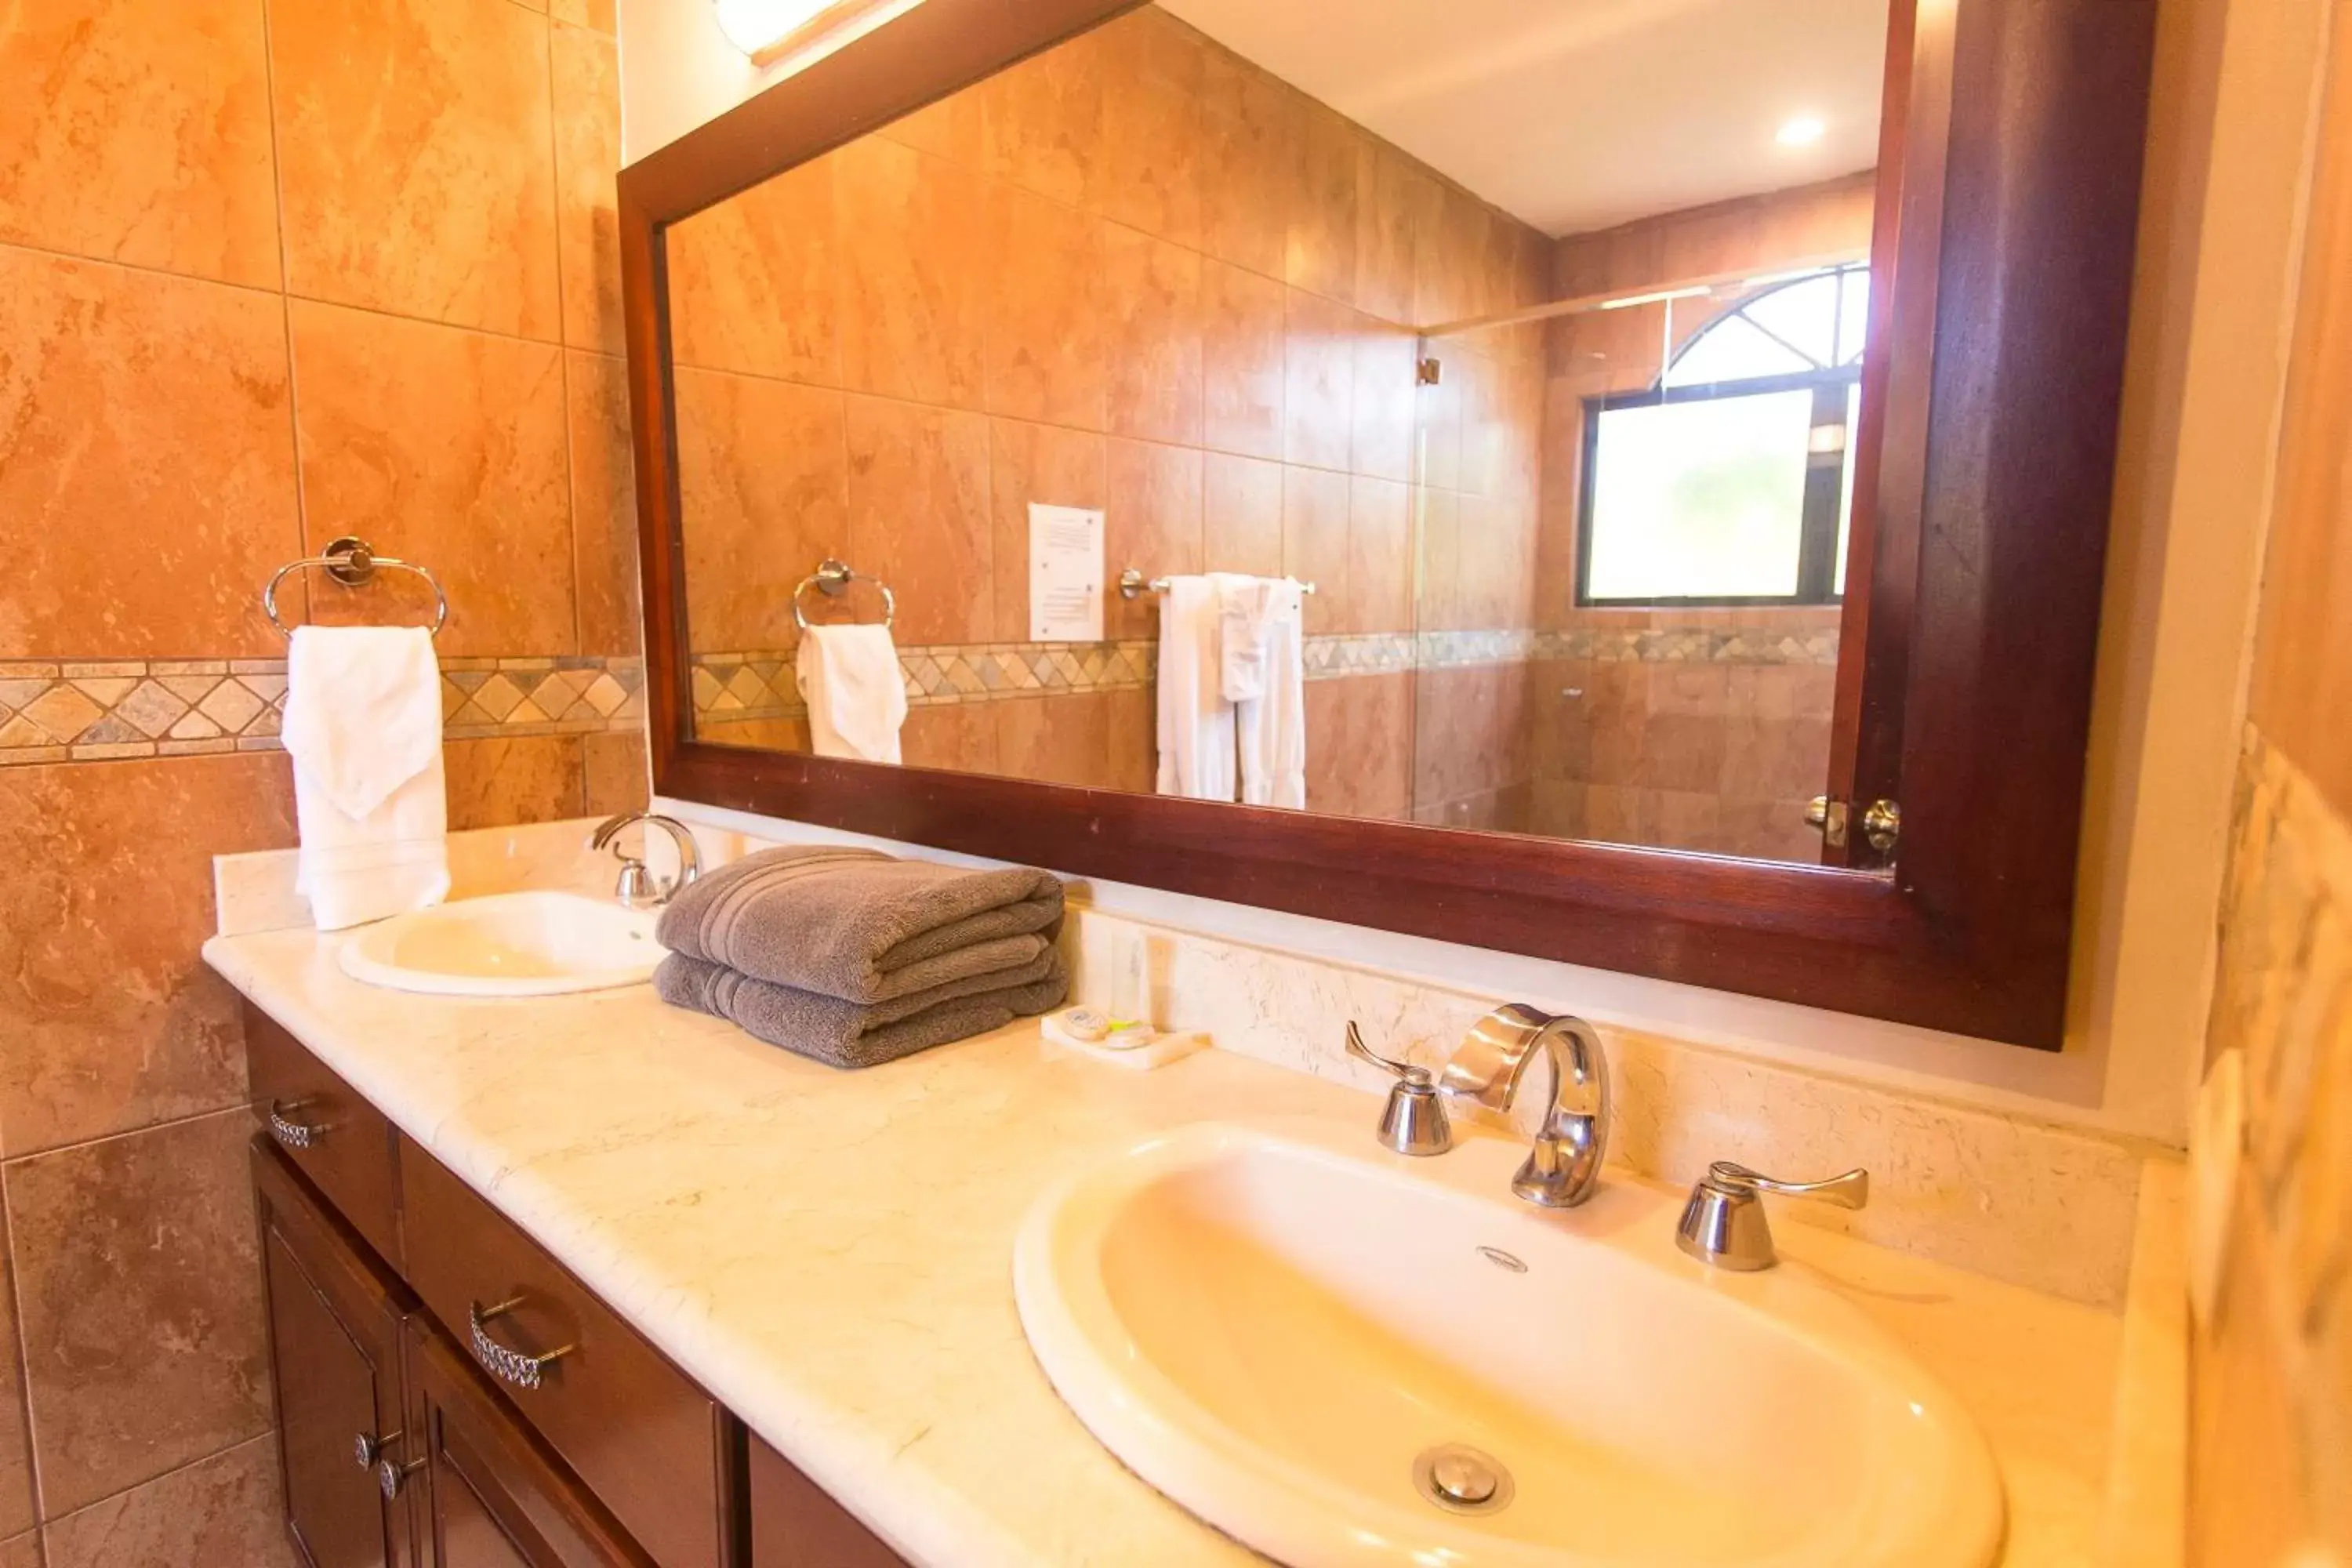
[1729, 481]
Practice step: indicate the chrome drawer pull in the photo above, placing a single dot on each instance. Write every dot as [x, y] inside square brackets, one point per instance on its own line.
[508, 1365]
[293, 1134]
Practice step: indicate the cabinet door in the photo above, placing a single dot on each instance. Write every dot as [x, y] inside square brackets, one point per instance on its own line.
[491, 1493]
[335, 1319]
[795, 1525]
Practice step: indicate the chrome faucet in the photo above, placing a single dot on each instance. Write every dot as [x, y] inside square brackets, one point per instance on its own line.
[638, 887]
[1565, 1166]
[1724, 1225]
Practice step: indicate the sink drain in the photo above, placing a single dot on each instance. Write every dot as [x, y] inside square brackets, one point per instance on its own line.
[1460, 1479]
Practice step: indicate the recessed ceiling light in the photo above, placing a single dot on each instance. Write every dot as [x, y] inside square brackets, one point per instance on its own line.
[756, 26]
[1802, 131]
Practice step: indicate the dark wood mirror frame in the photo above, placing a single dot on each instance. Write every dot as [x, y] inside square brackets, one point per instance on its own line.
[2009, 188]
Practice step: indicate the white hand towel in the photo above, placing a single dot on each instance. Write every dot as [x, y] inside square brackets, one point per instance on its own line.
[1272, 724]
[364, 726]
[1195, 721]
[1246, 621]
[856, 697]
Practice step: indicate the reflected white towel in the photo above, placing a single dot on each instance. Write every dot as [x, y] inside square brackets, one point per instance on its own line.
[364, 728]
[1195, 721]
[1271, 721]
[856, 697]
[1246, 612]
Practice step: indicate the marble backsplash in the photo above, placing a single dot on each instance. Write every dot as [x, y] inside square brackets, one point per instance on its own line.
[2036, 1204]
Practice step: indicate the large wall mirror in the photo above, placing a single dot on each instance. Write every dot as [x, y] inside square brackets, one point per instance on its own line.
[1570, 479]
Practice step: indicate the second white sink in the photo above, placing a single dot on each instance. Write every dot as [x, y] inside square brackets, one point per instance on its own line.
[511, 944]
[1298, 1339]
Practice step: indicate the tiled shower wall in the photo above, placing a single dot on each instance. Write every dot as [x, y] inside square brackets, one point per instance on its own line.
[1135, 273]
[274, 272]
[1703, 730]
[2272, 1433]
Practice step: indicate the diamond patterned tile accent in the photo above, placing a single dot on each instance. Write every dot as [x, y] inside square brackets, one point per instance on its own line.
[62, 712]
[232, 705]
[152, 707]
[499, 697]
[95, 710]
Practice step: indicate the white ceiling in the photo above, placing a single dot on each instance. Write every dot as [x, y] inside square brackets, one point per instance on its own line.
[1578, 114]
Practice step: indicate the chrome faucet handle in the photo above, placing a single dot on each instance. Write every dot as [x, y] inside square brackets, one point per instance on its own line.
[1413, 1120]
[1563, 1168]
[1724, 1223]
[638, 888]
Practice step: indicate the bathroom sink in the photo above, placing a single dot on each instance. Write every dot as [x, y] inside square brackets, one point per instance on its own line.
[511, 944]
[1341, 1356]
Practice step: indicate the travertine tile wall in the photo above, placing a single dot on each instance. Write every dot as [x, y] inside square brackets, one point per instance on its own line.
[2272, 1433]
[1716, 749]
[2272, 1403]
[274, 271]
[1134, 273]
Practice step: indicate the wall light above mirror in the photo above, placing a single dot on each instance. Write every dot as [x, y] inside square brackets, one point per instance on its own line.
[767, 30]
[1597, 405]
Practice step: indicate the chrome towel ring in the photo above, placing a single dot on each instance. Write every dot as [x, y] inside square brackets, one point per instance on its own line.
[832, 578]
[350, 561]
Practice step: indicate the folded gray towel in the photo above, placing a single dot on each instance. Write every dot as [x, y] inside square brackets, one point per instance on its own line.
[851, 1034]
[859, 925]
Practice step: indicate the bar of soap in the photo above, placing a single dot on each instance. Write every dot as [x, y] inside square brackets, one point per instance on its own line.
[1137, 1046]
[1084, 1023]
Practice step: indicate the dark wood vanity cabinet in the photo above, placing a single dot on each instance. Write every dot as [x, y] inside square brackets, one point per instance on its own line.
[336, 1325]
[450, 1396]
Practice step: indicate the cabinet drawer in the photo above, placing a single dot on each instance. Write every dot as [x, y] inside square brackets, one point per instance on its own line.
[335, 1138]
[493, 1497]
[656, 1449]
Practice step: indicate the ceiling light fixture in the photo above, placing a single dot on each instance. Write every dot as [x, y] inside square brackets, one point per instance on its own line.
[1802, 131]
[757, 27]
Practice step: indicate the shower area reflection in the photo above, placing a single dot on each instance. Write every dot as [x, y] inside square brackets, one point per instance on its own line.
[1666, 677]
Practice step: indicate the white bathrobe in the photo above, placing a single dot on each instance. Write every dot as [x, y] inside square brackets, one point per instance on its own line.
[1262, 627]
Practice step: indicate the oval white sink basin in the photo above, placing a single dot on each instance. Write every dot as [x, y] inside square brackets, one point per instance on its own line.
[1273, 1327]
[512, 945]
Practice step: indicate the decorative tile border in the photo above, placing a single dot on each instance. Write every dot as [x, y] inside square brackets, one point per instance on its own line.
[759, 684]
[1459, 650]
[1738, 645]
[87, 711]
[1378, 653]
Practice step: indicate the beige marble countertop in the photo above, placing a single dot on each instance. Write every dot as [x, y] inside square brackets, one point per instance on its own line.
[830, 1254]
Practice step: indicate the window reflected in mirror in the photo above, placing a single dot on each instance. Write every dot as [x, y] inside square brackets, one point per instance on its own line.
[1453, 423]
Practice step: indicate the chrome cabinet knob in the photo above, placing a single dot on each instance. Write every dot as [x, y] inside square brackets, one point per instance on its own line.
[1413, 1120]
[1723, 1223]
[367, 1448]
[391, 1477]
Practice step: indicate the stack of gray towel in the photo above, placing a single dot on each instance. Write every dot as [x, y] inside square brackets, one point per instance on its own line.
[855, 958]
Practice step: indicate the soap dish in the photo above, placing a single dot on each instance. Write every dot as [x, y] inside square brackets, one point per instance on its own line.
[1150, 1048]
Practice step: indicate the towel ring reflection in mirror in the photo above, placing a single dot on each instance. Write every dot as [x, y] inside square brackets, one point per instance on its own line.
[832, 578]
[350, 561]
